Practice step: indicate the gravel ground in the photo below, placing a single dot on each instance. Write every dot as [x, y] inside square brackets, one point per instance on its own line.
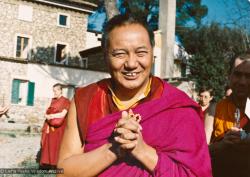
[15, 149]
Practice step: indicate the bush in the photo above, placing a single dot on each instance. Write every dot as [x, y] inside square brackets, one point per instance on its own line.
[212, 48]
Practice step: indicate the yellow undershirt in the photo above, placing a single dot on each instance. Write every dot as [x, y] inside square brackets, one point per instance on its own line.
[132, 102]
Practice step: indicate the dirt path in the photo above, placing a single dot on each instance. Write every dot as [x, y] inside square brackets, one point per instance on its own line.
[14, 150]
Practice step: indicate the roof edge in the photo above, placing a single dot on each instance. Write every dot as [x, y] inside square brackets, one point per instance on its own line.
[84, 6]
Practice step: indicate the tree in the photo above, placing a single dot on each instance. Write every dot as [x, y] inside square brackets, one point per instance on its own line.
[145, 9]
[212, 48]
[190, 11]
[187, 10]
[238, 14]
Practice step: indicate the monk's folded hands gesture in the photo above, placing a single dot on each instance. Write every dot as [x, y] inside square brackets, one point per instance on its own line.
[130, 139]
[128, 131]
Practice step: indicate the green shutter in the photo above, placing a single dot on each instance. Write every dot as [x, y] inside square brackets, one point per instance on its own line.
[31, 91]
[15, 91]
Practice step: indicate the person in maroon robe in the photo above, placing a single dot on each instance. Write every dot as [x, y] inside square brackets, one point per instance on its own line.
[53, 128]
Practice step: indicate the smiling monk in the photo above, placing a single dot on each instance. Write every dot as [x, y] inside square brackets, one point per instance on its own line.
[133, 124]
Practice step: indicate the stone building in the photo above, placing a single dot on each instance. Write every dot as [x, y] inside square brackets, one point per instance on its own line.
[43, 30]
[40, 42]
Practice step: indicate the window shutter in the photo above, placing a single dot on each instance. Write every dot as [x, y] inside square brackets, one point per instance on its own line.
[31, 91]
[15, 91]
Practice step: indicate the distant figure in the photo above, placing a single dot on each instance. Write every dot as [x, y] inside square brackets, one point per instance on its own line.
[3, 110]
[208, 109]
[53, 128]
[205, 97]
[230, 144]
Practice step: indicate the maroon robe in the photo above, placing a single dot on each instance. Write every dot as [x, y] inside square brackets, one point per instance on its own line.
[52, 132]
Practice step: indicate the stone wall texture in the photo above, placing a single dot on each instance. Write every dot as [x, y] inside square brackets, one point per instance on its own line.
[43, 30]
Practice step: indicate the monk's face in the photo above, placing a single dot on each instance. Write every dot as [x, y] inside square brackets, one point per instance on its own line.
[130, 57]
[240, 80]
[57, 92]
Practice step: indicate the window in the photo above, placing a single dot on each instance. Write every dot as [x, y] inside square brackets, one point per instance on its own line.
[83, 62]
[61, 53]
[63, 20]
[25, 13]
[22, 92]
[22, 47]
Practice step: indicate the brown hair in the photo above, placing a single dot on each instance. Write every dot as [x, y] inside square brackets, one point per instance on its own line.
[207, 89]
[120, 20]
[58, 85]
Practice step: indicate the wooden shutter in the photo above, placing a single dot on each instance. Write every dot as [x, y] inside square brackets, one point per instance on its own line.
[15, 91]
[31, 91]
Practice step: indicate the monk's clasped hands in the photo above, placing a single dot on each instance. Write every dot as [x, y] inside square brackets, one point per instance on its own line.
[128, 130]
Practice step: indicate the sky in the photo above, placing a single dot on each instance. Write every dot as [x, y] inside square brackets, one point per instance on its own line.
[217, 10]
[221, 11]
[224, 11]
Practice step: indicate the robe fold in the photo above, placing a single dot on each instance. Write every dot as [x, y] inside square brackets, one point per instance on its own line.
[171, 124]
[52, 132]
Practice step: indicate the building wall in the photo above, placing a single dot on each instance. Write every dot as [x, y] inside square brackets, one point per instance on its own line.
[43, 30]
[10, 70]
[92, 39]
[179, 55]
[157, 54]
[96, 62]
[44, 77]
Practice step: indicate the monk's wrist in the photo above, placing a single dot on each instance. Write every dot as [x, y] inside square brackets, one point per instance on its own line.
[147, 156]
[141, 152]
[112, 152]
[117, 151]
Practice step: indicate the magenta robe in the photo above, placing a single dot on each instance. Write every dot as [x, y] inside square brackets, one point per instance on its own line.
[173, 126]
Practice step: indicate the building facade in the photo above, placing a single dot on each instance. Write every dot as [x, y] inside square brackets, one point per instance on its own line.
[27, 87]
[40, 42]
